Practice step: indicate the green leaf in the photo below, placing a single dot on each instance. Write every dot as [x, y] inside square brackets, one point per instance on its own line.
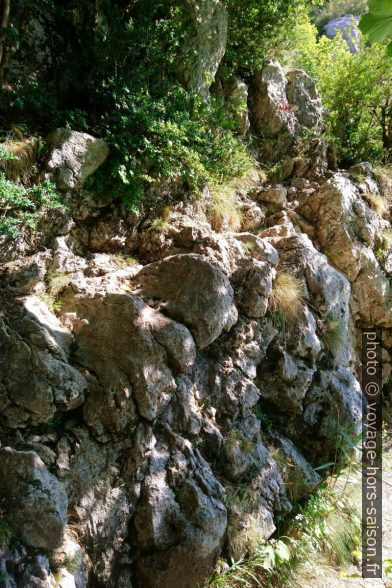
[324, 466]
[282, 552]
[377, 23]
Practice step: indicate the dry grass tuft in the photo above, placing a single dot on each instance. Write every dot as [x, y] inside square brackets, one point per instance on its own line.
[378, 203]
[223, 210]
[286, 297]
[384, 179]
[387, 238]
[25, 152]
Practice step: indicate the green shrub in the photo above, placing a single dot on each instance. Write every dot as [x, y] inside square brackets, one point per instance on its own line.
[22, 208]
[178, 138]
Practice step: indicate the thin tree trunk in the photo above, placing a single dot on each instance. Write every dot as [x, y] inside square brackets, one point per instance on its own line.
[5, 17]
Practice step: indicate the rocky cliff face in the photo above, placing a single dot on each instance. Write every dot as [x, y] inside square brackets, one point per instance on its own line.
[139, 394]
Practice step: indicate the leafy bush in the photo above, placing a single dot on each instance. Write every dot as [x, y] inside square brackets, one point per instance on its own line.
[177, 138]
[22, 208]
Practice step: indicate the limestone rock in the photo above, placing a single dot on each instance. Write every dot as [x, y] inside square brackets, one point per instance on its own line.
[180, 520]
[191, 290]
[206, 22]
[38, 380]
[284, 106]
[269, 111]
[275, 195]
[74, 157]
[348, 231]
[303, 97]
[35, 501]
[117, 340]
[298, 475]
[253, 288]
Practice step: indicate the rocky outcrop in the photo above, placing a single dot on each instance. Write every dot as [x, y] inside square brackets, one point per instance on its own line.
[139, 393]
[206, 23]
[36, 378]
[284, 106]
[349, 231]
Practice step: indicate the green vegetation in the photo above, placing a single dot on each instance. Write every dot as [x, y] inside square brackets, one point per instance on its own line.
[256, 28]
[355, 90]
[181, 139]
[23, 208]
[324, 531]
[333, 333]
[377, 23]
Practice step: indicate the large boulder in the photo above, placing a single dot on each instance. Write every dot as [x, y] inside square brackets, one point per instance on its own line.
[34, 500]
[129, 346]
[190, 290]
[74, 157]
[284, 106]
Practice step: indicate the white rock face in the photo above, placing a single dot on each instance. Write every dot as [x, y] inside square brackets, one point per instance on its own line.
[347, 26]
[348, 231]
[74, 157]
[284, 105]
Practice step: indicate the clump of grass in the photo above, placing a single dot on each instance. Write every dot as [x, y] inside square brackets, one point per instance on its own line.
[377, 203]
[161, 225]
[223, 210]
[292, 475]
[72, 562]
[277, 319]
[286, 297]
[358, 176]
[244, 531]
[55, 282]
[53, 304]
[326, 530]
[122, 260]
[23, 154]
[249, 247]
[333, 333]
[387, 239]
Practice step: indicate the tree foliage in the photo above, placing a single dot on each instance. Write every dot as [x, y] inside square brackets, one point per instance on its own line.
[356, 90]
[255, 28]
[377, 23]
